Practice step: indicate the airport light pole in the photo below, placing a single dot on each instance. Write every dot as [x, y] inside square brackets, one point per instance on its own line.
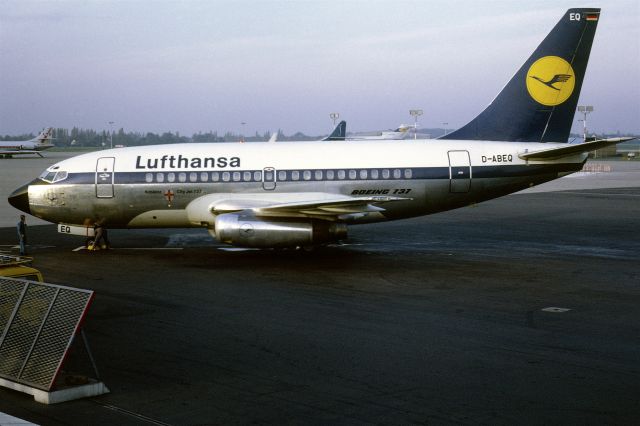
[111, 134]
[415, 113]
[445, 128]
[584, 109]
[334, 116]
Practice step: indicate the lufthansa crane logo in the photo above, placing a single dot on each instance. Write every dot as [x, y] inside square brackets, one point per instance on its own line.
[550, 80]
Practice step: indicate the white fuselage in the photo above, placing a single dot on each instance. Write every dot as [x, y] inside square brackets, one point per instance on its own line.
[163, 185]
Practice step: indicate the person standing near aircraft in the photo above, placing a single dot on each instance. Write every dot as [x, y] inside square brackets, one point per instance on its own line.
[100, 235]
[22, 234]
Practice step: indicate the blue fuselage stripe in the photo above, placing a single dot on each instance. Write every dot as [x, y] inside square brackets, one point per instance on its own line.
[323, 175]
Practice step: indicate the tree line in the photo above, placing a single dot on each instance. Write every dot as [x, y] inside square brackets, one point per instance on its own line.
[93, 138]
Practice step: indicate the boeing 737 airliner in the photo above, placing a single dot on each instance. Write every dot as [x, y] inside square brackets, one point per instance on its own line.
[301, 194]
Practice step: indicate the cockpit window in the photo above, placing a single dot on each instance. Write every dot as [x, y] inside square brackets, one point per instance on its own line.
[52, 176]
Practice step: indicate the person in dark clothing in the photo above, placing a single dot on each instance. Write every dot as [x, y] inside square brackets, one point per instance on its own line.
[100, 239]
[22, 234]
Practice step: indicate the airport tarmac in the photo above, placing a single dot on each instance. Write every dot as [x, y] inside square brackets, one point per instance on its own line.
[442, 319]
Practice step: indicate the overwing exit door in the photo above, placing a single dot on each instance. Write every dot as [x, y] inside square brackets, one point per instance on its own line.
[269, 178]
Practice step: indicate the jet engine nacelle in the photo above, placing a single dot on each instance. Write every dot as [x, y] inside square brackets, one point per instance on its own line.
[251, 231]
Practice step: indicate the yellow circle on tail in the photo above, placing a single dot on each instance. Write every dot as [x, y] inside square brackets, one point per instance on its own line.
[550, 80]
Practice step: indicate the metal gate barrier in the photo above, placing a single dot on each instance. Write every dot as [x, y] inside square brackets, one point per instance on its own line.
[38, 323]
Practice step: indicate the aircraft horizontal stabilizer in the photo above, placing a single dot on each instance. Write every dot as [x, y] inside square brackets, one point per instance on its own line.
[565, 151]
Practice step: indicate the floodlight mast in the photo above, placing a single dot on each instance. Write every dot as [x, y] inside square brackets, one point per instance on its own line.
[111, 134]
[415, 113]
[584, 109]
[334, 116]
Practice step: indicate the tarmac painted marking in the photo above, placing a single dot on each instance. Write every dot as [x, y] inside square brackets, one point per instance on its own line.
[133, 414]
[148, 248]
[237, 249]
[555, 310]
[132, 248]
[608, 194]
[6, 419]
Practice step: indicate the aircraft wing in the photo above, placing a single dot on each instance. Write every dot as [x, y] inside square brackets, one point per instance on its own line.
[19, 151]
[332, 208]
[564, 151]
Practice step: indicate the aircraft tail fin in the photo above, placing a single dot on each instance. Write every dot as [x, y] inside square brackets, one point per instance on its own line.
[339, 133]
[44, 137]
[539, 102]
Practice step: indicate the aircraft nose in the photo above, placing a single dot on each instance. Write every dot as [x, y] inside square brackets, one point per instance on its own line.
[20, 199]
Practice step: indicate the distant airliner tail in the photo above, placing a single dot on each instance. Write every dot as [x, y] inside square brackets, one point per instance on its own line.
[539, 102]
[44, 137]
[338, 133]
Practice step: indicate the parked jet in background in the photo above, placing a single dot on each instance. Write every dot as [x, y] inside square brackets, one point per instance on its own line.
[301, 194]
[33, 146]
[400, 133]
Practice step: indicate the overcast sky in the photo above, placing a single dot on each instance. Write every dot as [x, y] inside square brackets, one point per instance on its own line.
[192, 66]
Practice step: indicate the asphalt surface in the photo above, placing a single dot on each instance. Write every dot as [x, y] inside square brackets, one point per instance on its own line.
[434, 320]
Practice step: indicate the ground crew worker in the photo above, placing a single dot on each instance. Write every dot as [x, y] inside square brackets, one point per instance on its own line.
[22, 234]
[100, 239]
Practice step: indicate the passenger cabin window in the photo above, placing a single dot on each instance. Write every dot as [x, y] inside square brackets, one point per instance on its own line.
[148, 177]
[363, 174]
[171, 177]
[257, 176]
[204, 176]
[341, 174]
[246, 176]
[215, 176]
[159, 177]
[295, 175]
[374, 174]
[318, 174]
[330, 174]
[182, 177]
[408, 173]
[306, 175]
[236, 176]
[397, 174]
[386, 174]
[352, 174]
[282, 175]
[226, 176]
[193, 177]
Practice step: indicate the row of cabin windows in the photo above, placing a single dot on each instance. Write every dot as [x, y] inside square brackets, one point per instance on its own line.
[283, 175]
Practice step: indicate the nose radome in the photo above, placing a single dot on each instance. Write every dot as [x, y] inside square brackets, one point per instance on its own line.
[20, 199]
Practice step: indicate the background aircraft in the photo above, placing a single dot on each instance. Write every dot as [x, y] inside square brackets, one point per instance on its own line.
[400, 133]
[33, 146]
